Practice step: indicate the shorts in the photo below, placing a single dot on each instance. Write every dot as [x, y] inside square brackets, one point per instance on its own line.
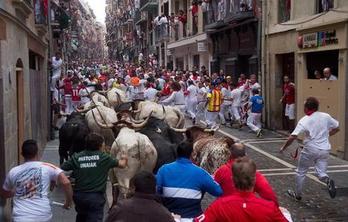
[290, 111]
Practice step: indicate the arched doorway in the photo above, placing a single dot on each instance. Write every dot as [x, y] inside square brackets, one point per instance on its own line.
[20, 106]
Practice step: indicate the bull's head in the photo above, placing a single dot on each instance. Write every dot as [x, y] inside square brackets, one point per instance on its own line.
[195, 132]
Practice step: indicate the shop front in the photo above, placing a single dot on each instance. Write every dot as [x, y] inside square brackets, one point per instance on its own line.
[318, 48]
[187, 56]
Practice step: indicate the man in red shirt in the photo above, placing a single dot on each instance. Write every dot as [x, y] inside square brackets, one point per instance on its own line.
[224, 175]
[289, 100]
[244, 205]
[68, 93]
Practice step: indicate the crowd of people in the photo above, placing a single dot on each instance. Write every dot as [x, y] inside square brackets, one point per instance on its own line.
[215, 99]
[176, 191]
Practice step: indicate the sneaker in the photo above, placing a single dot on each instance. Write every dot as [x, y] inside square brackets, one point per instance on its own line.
[293, 195]
[258, 133]
[331, 188]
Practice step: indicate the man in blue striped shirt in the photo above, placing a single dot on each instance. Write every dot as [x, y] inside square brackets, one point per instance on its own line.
[182, 184]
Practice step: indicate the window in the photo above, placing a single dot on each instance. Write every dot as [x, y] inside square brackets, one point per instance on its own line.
[284, 9]
[317, 61]
[324, 5]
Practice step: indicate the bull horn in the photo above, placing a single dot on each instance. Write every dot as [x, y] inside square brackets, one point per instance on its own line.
[102, 125]
[214, 129]
[179, 130]
[85, 110]
[181, 119]
[140, 125]
[137, 111]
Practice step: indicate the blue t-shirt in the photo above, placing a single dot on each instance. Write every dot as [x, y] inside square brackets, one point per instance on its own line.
[256, 104]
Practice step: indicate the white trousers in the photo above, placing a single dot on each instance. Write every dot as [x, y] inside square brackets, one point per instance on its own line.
[290, 111]
[192, 107]
[311, 157]
[211, 118]
[68, 104]
[224, 108]
[235, 113]
[254, 121]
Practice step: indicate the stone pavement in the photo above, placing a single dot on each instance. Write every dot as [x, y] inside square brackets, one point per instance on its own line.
[50, 154]
[279, 169]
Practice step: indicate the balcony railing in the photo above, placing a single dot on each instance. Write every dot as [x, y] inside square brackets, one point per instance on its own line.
[24, 6]
[233, 10]
[162, 33]
[39, 11]
[148, 4]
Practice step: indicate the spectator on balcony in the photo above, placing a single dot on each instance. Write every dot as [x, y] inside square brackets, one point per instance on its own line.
[194, 11]
[57, 63]
[221, 9]
[183, 19]
[163, 22]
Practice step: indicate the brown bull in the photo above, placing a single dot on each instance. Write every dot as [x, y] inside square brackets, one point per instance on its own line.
[209, 152]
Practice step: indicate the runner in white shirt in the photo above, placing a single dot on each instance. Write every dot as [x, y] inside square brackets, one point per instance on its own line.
[236, 97]
[150, 93]
[192, 91]
[317, 127]
[177, 98]
[29, 185]
[226, 104]
[201, 100]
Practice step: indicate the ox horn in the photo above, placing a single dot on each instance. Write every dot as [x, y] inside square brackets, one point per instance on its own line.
[85, 110]
[214, 129]
[140, 125]
[179, 130]
[102, 125]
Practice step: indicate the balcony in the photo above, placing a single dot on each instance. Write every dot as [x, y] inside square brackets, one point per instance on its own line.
[162, 33]
[235, 10]
[40, 18]
[25, 7]
[148, 5]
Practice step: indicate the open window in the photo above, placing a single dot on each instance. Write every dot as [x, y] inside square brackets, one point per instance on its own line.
[284, 10]
[317, 61]
[324, 5]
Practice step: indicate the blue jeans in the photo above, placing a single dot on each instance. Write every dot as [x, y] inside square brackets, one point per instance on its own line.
[89, 206]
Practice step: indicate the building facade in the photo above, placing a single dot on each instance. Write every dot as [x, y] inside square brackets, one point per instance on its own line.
[300, 39]
[24, 106]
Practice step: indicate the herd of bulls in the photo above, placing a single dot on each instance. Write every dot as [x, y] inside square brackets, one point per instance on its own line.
[148, 133]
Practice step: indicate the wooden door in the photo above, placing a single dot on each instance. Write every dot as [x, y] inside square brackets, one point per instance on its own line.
[20, 111]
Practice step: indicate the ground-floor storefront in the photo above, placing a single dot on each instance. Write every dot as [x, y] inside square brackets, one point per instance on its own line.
[189, 53]
[299, 53]
[235, 49]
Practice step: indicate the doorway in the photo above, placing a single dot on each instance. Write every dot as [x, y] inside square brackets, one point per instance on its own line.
[288, 69]
[20, 106]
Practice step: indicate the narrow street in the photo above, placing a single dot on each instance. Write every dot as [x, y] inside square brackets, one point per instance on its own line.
[279, 169]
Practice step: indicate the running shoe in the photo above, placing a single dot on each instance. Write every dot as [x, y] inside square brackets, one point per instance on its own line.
[331, 187]
[293, 195]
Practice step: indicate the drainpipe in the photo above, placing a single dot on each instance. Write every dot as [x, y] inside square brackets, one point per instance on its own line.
[49, 74]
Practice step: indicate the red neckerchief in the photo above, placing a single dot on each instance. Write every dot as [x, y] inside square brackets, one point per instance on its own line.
[309, 112]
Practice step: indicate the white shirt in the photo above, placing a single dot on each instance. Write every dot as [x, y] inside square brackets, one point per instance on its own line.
[161, 82]
[31, 182]
[177, 98]
[135, 93]
[150, 94]
[236, 96]
[193, 91]
[56, 66]
[316, 128]
[332, 77]
[226, 95]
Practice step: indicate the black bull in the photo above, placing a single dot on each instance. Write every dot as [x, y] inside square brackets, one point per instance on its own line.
[72, 136]
[164, 139]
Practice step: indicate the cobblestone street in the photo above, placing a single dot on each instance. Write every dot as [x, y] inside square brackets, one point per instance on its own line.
[279, 169]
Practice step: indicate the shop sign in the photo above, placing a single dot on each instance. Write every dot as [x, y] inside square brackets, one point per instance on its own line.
[318, 39]
[202, 47]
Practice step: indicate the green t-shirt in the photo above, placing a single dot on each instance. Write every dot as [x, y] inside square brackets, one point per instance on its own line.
[90, 170]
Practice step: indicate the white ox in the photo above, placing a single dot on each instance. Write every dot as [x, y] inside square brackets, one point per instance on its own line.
[98, 117]
[170, 114]
[141, 153]
[116, 97]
